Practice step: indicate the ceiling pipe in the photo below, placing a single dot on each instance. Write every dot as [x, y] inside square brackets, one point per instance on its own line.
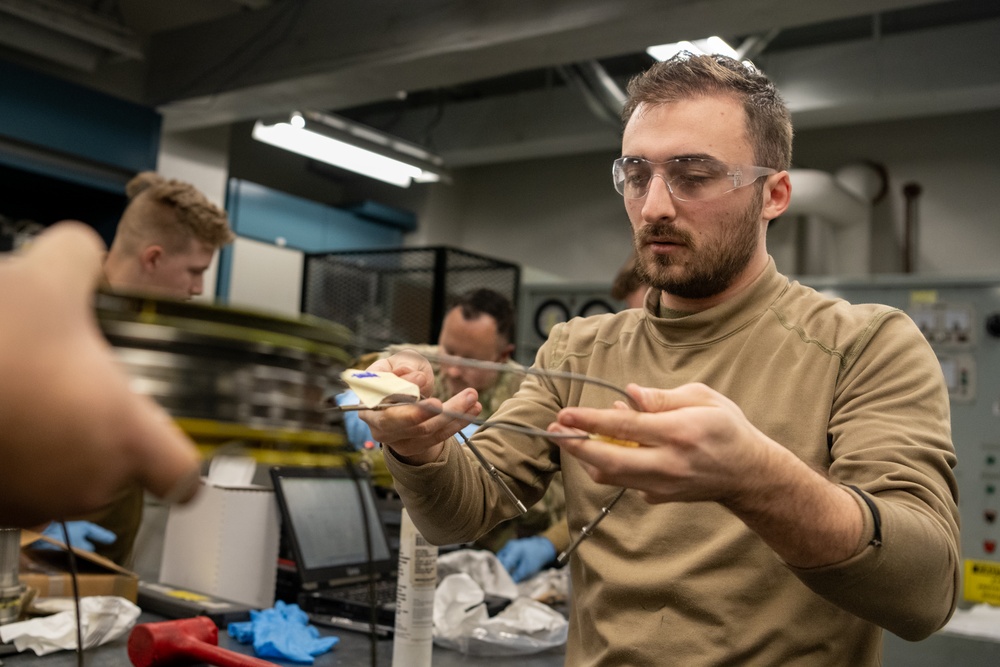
[754, 45]
[604, 96]
[601, 93]
[75, 24]
[43, 43]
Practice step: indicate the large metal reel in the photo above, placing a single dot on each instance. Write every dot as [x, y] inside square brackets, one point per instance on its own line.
[234, 376]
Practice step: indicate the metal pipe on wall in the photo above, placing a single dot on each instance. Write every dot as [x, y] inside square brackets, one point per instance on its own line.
[910, 228]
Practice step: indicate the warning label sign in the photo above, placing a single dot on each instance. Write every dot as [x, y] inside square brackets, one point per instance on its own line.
[982, 581]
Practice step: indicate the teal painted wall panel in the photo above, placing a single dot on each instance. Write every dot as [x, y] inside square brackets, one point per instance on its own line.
[65, 118]
[384, 214]
[264, 214]
[346, 231]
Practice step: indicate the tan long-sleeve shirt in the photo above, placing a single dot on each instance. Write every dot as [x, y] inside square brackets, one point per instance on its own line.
[853, 390]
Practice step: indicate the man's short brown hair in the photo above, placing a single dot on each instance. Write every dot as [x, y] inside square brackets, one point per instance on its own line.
[488, 302]
[686, 76]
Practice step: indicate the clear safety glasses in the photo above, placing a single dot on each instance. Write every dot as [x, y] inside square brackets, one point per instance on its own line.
[687, 178]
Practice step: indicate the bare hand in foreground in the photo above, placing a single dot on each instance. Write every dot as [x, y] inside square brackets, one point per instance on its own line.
[73, 433]
[412, 432]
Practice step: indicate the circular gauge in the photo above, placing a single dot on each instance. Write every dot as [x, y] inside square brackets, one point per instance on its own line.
[596, 307]
[549, 314]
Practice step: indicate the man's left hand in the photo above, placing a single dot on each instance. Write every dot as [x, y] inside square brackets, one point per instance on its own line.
[696, 445]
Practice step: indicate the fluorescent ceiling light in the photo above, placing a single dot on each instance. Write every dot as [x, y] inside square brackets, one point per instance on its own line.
[698, 47]
[333, 151]
[350, 146]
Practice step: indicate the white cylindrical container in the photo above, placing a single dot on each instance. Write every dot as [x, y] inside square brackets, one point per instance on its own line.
[414, 634]
[11, 589]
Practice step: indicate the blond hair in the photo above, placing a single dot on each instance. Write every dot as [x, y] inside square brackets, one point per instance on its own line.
[170, 213]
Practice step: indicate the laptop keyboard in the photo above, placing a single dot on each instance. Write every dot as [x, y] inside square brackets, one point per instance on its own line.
[385, 592]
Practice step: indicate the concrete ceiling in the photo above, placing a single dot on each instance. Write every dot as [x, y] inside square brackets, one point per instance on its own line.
[481, 81]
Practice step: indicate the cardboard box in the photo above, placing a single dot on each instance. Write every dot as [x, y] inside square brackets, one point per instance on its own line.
[224, 543]
[48, 571]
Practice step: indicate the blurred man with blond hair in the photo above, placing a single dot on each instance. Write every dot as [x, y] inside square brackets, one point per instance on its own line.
[164, 243]
[165, 239]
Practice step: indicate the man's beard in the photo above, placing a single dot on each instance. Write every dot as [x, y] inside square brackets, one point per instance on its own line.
[709, 270]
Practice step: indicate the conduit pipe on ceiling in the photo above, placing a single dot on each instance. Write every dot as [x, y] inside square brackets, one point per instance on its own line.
[601, 93]
[605, 97]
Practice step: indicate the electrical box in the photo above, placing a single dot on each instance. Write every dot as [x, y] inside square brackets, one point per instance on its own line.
[545, 305]
[961, 320]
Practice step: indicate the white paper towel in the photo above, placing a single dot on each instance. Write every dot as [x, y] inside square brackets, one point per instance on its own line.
[103, 618]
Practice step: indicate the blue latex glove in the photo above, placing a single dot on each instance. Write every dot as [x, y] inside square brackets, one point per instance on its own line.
[358, 433]
[282, 632]
[82, 535]
[526, 556]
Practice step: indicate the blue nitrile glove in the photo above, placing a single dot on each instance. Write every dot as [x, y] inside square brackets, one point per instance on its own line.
[282, 632]
[358, 433]
[82, 535]
[526, 556]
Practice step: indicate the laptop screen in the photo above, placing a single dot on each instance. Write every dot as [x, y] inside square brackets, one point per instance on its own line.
[323, 513]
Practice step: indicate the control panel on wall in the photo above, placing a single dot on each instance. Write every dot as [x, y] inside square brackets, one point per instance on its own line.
[544, 306]
[950, 329]
[961, 322]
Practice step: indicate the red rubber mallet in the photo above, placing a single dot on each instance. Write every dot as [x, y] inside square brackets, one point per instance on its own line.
[183, 642]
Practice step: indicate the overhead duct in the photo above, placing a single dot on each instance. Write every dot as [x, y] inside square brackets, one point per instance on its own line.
[754, 45]
[65, 33]
[603, 96]
[825, 230]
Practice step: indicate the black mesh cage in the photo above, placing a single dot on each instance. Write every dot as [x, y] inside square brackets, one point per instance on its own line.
[399, 295]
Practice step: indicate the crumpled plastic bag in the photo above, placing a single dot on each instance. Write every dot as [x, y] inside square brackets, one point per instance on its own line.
[548, 586]
[103, 618]
[282, 632]
[461, 622]
[483, 566]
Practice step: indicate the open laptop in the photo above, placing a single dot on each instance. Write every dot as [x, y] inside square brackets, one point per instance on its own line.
[346, 571]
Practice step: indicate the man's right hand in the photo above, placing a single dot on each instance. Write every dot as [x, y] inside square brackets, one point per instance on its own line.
[416, 433]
